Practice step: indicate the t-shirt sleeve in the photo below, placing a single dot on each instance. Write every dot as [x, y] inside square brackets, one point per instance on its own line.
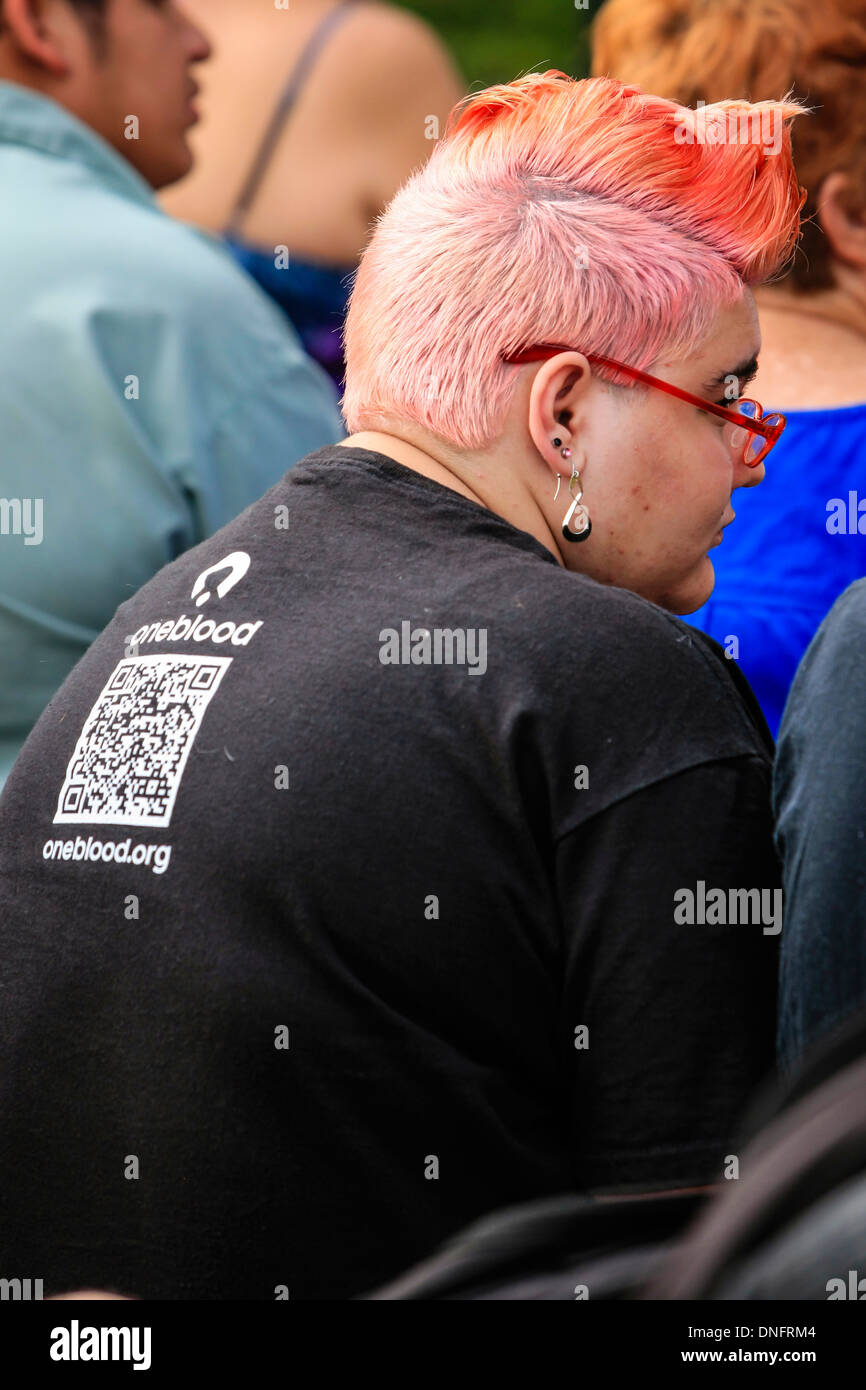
[669, 1005]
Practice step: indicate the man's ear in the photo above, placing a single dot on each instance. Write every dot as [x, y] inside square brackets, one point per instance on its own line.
[41, 30]
[843, 219]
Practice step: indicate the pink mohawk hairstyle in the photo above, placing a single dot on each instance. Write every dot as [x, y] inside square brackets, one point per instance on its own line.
[562, 211]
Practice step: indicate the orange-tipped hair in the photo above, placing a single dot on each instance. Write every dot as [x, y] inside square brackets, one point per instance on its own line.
[583, 212]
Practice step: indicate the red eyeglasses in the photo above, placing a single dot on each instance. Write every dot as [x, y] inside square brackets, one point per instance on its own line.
[752, 436]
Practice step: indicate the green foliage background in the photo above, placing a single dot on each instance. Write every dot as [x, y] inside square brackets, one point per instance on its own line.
[497, 40]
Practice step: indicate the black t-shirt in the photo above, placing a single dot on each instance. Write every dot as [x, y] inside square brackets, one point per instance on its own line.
[341, 903]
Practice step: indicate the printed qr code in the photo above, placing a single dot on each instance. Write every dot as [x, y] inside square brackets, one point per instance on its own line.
[132, 751]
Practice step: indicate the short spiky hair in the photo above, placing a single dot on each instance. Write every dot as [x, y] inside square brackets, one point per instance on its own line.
[556, 210]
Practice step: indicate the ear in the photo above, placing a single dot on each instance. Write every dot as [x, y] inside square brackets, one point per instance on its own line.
[556, 399]
[843, 219]
[39, 30]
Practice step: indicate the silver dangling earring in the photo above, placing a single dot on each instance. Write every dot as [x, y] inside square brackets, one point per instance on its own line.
[577, 513]
[566, 454]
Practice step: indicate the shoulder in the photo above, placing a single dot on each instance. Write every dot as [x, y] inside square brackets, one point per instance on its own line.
[396, 54]
[130, 269]
[180, 267]
[116, 243]
[825, 700]
[593, 681]
[623, 630]
[835, 661]
[386, 33]
[847, 619]
[628, 668]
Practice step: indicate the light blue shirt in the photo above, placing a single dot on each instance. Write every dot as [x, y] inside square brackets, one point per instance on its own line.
[149, 391]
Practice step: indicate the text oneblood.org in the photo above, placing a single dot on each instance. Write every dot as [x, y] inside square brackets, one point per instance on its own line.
[154, 857]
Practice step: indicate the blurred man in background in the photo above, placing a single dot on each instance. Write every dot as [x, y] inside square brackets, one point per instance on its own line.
[149, 391]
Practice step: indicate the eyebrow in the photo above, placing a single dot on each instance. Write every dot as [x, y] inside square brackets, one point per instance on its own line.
[744, 374]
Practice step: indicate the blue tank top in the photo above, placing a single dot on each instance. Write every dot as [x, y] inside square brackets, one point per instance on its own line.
[314, 295]
[799, 539]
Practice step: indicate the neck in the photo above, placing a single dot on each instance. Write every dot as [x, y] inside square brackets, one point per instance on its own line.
[844, 304]
[814, 346]
[480, 476]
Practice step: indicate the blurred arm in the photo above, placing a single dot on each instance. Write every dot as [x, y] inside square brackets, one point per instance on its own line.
[820, 795]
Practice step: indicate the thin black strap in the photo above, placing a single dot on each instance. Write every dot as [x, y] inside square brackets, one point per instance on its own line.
[278, 120]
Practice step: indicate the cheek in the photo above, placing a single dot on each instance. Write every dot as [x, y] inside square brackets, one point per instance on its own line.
[717, 475]
[683, 500]
[637, 469]
[667, 484]
[664, 475]
[700, 479]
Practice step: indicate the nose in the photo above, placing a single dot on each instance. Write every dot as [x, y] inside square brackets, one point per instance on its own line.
[750, 477]
[744, 476]
[738, 441]
[199, 45]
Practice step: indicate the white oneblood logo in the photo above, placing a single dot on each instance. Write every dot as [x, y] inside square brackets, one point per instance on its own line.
[201, 629]
[238, 563]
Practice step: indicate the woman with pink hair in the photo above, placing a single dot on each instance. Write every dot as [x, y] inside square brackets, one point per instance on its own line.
[470, 896]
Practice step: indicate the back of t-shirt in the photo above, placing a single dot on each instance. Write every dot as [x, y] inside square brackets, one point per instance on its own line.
[369, 873]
